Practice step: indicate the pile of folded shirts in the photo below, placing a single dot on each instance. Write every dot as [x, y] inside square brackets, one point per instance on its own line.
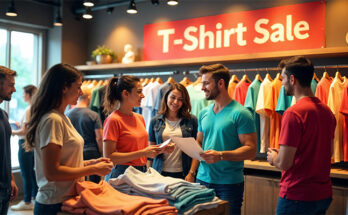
[102, 199]
[185, 196]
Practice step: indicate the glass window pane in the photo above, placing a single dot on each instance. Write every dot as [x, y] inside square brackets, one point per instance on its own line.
[3, 42]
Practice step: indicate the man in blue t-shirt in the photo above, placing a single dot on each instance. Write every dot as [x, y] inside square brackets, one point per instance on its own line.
[227, 134]
[8, 188]
[88, 124]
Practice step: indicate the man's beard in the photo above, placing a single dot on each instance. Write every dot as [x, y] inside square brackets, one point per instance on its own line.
[213, 94]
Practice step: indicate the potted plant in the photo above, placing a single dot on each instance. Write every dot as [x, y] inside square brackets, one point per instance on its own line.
[103, 55]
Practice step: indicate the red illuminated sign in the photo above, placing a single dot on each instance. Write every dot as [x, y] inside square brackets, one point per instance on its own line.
[299, 26]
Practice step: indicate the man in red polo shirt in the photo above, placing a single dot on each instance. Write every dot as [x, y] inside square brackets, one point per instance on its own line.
[305, 141]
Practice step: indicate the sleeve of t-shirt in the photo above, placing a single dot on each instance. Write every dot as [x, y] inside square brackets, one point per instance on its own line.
[200, 121]
[152, 137]
[51, 131]
[111, 130]
[246, 122]
[97, 122]
[291, 130]
[344, 104]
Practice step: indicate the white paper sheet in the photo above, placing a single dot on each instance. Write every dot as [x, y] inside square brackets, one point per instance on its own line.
[164, 143]
[189, 146]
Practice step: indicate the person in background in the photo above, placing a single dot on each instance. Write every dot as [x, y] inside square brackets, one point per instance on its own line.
[57, 145]
[26, 159]
[8, 187]
[124, 134]
[88, 124]
[173, 120]
[227, 134]
[306, 144]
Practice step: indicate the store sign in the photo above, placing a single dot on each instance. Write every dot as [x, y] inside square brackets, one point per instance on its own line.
[300, 26]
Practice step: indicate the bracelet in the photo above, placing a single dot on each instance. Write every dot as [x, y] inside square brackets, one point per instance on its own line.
[192, 173]
[221, 156]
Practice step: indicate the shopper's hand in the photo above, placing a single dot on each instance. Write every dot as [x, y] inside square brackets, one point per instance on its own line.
[152, 151]
[102, 168]
[211, 156]
[14, 190]
[98, 160]
[169, 148]
[272, 153]
[190, 178]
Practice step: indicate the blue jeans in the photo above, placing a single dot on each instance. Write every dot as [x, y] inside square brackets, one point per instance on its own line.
[233, 193]
[120, 169]
[42, 209]
[4, 200]
[287, 206]
[92, 154]
[26, 164]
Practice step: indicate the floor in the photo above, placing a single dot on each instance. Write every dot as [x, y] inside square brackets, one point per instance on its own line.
[10, 212]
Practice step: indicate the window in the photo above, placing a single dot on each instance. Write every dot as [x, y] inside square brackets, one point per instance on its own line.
[23, 50]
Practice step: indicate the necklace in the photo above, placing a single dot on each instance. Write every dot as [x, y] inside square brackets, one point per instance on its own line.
[172, 125]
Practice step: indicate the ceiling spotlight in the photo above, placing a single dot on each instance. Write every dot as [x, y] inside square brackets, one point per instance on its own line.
[132, 9]
[87, 14]
[88, 3]
[58, 19]
[172, 2]
[155, 2]
[11, 10]
[109, 10]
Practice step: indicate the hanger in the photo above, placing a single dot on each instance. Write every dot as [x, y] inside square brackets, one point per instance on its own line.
[246, 79]
[159, 80]
[234, 79]
[315, 77]
[170, 80]
[185, 81]
[146, 81]
[142, 80]
[258, 77]
[152, 80]
[268, 77]
[198, 81]
[278, 76]
[339, 77]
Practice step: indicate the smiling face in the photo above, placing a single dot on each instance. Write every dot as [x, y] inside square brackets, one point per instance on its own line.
[72, 93]
[7, 87]
[175, 101]
[136, 95]
[209, 86]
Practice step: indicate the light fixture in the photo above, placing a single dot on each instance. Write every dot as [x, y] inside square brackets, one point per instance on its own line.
[11, 10]
[155, 2]
[132, 9]
[109, 10]
[58, 18]
[172, 2]
[87, 14]
[88, 3]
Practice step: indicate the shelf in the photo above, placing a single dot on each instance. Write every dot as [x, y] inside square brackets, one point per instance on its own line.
[315, 53]
[264, 165]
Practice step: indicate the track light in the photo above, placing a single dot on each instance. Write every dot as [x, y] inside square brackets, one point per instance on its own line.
[172, 2]
[132, 9]
[155, 2]
[88, 3]
[87, 14]
[11, 10]
[58, 20]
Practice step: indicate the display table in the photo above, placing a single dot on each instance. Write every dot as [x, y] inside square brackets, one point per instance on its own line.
[222, 209]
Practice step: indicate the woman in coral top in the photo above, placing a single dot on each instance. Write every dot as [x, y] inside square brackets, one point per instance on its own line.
[124, 134]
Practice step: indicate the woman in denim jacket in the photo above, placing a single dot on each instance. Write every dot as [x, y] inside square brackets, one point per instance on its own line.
[173, 119]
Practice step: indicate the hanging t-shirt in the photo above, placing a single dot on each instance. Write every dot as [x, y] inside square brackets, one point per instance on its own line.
[323, 89]
[275, 118]
[241, 91]
[334, 103]
[197, 98]
[314, 85]
[284, 101]
[56, 128]
[250, 103]
[149, 102]
[161, 92]
[265, 89]
[128, 132]
[344, 111]
[231, 88]
[220, 132]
